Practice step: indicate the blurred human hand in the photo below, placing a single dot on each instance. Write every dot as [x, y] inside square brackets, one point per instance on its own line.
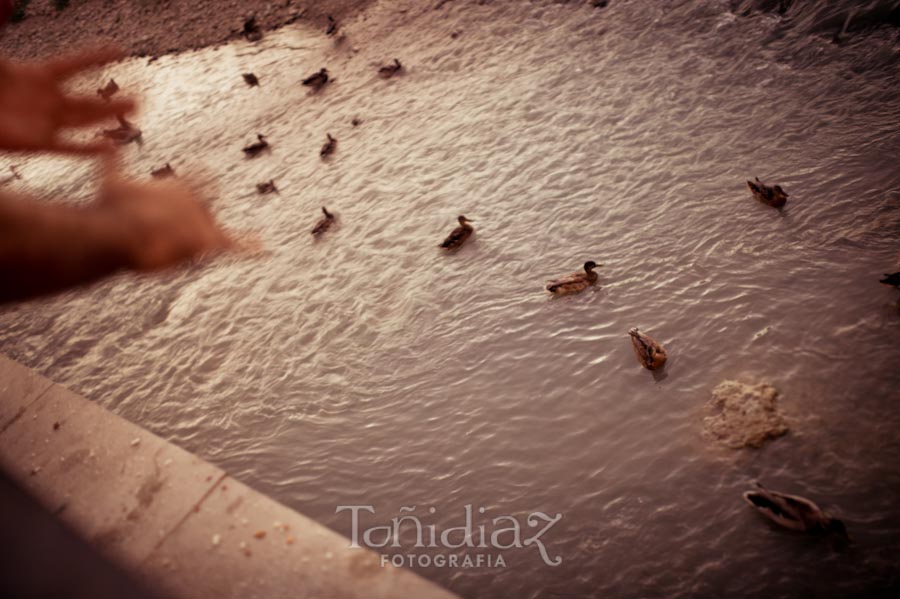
[159, 223]
[35, 109]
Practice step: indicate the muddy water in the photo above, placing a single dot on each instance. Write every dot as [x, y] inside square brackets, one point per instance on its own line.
[369, 369]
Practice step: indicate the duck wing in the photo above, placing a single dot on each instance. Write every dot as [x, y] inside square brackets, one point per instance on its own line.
[789, 511]
[569, 284]
[456, 238]
[323, 225]
[649, 353]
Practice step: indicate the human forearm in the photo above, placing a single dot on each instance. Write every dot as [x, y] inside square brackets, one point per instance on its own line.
[47, 248]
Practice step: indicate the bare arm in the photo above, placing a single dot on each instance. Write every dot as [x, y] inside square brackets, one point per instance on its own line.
[134, 226]
[46, 248]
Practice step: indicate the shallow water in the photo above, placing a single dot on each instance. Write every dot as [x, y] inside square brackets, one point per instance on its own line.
[370, 369]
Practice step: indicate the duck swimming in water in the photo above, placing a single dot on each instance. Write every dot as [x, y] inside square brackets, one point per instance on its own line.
[575, 282]
[328, 146]
[255, 148]
[124, 134]
[267, 187]
[388, 71]
[771, 196]
[251, 30]
[15, 175]
[163, 172]
[317, 80]
[794, 512]
[109, 90]
[891, 279]
[459, 235]
[324, 223]
[649, 352]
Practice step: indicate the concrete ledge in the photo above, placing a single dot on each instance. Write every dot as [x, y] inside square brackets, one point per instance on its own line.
[170, 517]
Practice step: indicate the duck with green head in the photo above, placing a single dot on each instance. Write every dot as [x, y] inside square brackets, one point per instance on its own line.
[575, 282]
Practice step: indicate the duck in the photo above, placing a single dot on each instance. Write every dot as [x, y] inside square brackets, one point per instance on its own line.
[109, 90]
[773, 196]
[459, 235]
[794, 512]
[324, 223]
[251, 29]
[891, 279]
[649, 352]
[256, 147]
[125, 133]
[575, 282]
[12, 177]
[317, 80]
[390, 70]
[328, 146]
[332, 26]
[251, 79]
[163, 172]
[267, 187]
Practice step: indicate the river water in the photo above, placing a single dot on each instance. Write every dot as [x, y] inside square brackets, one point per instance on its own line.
[370, 369]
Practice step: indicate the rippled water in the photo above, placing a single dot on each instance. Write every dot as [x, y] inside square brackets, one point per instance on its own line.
[368, 368]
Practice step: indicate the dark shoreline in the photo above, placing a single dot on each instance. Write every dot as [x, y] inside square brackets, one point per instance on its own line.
[156, 27]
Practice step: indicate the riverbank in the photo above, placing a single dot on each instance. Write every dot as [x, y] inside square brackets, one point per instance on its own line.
[172, 519]
[158, 27]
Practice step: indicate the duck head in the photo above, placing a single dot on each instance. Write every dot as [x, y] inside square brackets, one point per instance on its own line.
[590, 265]
[326, 213]
[463, 220]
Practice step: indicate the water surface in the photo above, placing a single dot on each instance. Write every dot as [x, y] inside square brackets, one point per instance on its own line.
[368, 368]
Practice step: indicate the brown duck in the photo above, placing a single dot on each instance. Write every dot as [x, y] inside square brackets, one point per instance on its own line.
[255, 148]
[251, 30]
[575, 282]
[771, 196]
[459, 235]
[324, 223]
[125, 133]
[163, 172]
[649, 352]
[794, 512]
[317, 80]
[390, 70]
[328, 146]
[267, 187]
[891, 279]
[12, 177]
[109, 90]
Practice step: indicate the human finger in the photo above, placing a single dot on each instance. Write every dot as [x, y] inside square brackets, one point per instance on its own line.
[77, 112]
[92, 148]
